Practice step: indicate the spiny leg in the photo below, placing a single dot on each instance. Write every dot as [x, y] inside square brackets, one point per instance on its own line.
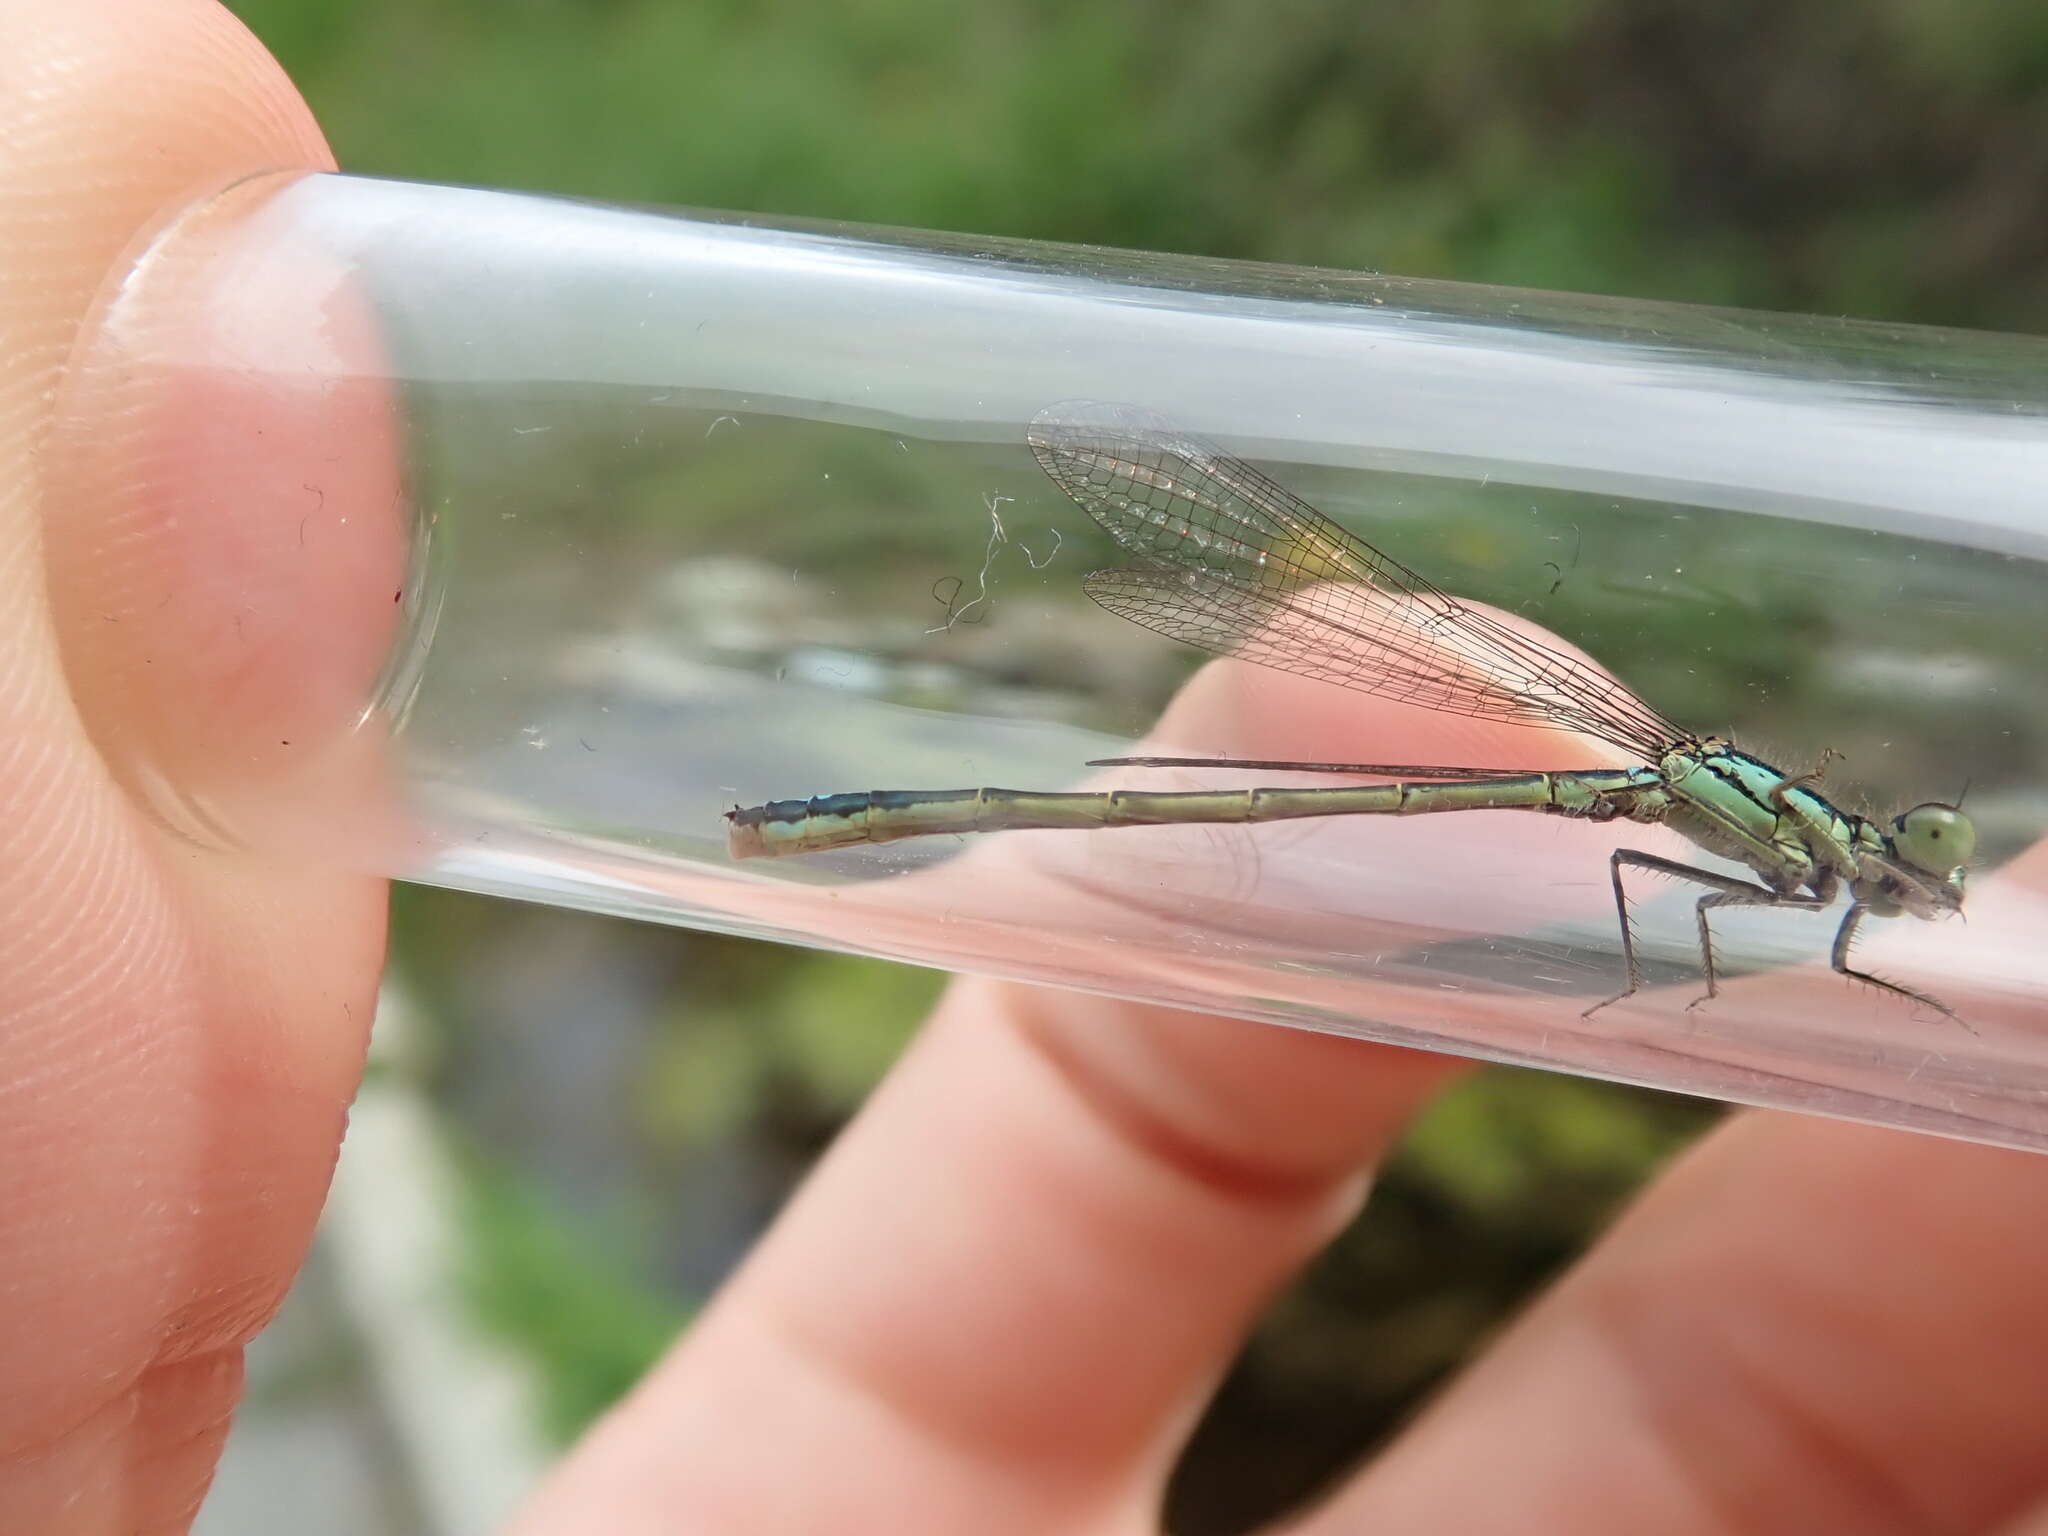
[1748, 896]
[1730, 892]
[1846, 935]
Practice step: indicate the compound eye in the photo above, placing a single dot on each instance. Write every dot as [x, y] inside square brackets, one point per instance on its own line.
[1936, 838]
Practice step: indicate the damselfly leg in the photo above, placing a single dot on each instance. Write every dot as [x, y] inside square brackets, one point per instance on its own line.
[1839, 959]
[1727, 891]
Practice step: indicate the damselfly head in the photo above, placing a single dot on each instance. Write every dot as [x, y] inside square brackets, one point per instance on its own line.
[1937, 841]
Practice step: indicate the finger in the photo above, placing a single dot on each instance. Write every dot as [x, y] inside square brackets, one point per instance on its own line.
[1000, 1302]
[180, 1027]
[2033, 1523]
[1806, 1327]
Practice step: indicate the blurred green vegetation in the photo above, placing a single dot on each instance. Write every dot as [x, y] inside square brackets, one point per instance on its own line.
[1878, 157]
[583, 1312]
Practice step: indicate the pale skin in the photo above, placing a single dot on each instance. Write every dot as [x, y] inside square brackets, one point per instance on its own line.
[999, 1303]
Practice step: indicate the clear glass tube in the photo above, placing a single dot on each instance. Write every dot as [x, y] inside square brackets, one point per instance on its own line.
[662, 513]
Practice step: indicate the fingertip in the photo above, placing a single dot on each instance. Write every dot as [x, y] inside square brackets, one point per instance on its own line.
[231, 545]
[224, 535]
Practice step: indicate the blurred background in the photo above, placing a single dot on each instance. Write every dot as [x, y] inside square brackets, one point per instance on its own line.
[575, 1127]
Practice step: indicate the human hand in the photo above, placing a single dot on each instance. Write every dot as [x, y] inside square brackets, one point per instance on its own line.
[183, 1028]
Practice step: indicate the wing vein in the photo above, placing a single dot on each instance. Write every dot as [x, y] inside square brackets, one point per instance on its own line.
[1229, 561]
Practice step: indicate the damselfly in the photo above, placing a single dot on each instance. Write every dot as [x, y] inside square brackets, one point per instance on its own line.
[1231, 562]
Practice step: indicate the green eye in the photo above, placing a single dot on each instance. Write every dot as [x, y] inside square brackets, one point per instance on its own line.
[1935, 838]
